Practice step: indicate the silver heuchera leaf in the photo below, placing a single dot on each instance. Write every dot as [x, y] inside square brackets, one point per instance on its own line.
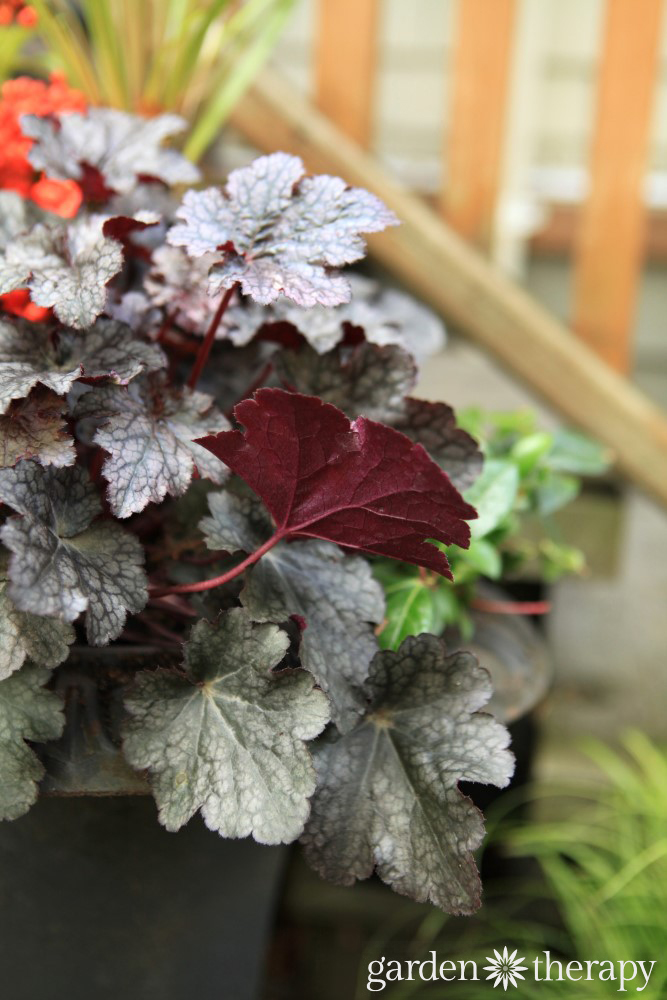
[364, 381]
[35, 427]
[387, 793]
[23, 635]
[389, 316]
[13, 216]
[122, 146]
[66, 267]
[335, 596]
[227, 738]
[433, 425]
[27, 712]
[149, 431]
[30, 355]
[178, 284]
[238, 522]
[276, 231]
[386, 316]
[62, 564]
[339, 601]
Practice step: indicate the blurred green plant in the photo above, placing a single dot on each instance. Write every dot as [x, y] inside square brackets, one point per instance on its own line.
[603, 895]
[13, 38]
[194, 57]
[528, 475]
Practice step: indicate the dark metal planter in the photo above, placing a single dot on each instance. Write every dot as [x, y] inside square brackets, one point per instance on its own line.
[99, 902]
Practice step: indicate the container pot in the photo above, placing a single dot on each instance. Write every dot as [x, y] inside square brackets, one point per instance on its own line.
[97, 900]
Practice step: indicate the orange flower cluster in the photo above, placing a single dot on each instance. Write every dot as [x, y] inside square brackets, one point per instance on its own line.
[17, 12]
[35, 97]
[25, 96]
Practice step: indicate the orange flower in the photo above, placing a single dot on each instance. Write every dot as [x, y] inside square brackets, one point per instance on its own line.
[27, 96]
[17, 12]
[18, 303]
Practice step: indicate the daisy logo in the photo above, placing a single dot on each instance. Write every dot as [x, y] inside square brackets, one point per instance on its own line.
[505, 968]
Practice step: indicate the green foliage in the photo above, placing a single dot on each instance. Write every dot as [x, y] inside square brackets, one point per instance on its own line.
[528, 475]
[606, 862]
[189, 56]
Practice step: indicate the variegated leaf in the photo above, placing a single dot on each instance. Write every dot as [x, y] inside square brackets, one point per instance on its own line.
[277, 231]
[65, 562]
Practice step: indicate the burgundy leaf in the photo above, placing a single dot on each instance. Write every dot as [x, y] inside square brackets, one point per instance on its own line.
[362, 484]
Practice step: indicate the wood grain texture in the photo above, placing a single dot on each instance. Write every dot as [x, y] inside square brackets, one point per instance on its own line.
[440, 267]
[610, 242]
[346, 50]
[479, 89]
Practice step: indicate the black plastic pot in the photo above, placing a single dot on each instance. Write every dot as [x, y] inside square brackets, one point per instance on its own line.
[99, 902]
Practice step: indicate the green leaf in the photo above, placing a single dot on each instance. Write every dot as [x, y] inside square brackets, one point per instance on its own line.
[62, 563]
[493, 495]
[335, 596]
[27, 712]
[576, 453]
[149, 431]
[227, 737]
[250, 50]
[409, 612]
[529, 450]
[483, 557]
[558, 560]
[387, 793]
[415, 605]
[554, 490]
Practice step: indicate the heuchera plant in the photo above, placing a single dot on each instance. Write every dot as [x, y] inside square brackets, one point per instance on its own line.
[205, 447]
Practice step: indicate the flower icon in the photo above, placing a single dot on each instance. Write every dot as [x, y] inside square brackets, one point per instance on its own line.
[505, 968]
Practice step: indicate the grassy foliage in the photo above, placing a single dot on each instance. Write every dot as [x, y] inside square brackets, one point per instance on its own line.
[194, 57]
[603, 894]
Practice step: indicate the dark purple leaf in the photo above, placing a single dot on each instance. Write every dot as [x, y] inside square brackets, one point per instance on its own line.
[362, 485]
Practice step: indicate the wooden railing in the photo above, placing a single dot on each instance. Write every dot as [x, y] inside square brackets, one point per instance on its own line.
[609, 241]
[439, 263]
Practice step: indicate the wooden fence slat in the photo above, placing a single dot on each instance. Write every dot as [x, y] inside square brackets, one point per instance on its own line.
[609, 249]
[479, 88]
[345, 55]
[438, 265]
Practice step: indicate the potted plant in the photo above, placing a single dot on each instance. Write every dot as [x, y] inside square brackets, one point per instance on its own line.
[190, 525]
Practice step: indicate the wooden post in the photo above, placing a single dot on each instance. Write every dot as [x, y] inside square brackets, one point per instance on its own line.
[346, 64]
[610, 242]
[438, 265]
[474, 141]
